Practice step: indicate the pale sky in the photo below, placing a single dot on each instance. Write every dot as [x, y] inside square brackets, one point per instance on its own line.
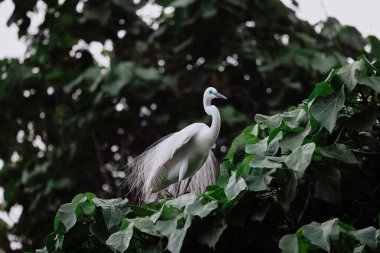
[361, 14]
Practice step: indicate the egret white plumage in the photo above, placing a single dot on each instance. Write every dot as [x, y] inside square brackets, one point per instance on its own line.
[185, 154]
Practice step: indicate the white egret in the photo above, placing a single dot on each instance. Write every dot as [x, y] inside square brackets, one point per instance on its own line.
[185, 154]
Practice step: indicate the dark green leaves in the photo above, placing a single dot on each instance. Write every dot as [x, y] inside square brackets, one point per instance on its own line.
[371, 81]
[347, 73]
[328, 183]
[300, 158]
[235, 186]
[177, 237]
[325, 109]
[330, 236]
[113, 210]
[340, 152]
[67, 215]
[319, 234]
[289, 244]
[212, 235]
[199, 209]
[120, 240]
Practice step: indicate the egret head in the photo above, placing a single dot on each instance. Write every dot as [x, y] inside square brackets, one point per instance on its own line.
[211, 93]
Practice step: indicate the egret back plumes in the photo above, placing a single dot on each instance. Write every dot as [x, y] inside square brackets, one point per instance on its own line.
[185, 154]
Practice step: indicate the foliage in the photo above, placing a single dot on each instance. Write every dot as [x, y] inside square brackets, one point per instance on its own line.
[279, 174]
[69, 125]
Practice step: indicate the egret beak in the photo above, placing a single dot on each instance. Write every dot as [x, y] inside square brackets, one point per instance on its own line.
[218, 95]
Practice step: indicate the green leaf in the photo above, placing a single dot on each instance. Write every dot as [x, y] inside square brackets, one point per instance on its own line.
[340, 152]
[144, 224]
[256, 183]
[319, 234]
[327, 185]
[271, 121]
[371, 81]
[289, 190]
[235, 186]
[176, 238]
[201, 210]
[289, 244]
[321, 90]
[300, 158]
[148, 74]
[368, 236]
[375, 46]
[258, 148]
[43, 250]
[119, 241]
[295, 118]
[88, 207]
[167, 227]
[211, 236]
[182, 200]
[67, 215]
[264, 162]
[347, 73]
[292, 141]
[325, 109]
[181, 3]
[238, 142]
[113, 210]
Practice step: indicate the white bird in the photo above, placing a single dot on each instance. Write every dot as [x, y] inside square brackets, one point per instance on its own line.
[178, 156]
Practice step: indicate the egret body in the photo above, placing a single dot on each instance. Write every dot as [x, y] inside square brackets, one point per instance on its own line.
[185, 154]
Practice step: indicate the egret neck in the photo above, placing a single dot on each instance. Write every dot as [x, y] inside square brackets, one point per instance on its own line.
[215, 123]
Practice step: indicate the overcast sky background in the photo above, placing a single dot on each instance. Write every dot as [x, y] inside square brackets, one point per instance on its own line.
[361, 14]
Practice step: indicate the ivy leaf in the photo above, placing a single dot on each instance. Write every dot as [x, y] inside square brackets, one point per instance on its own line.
[144, 224]
[289, 244]
[327, 186]
[368, 236]
[347, 73]
[295, 118]
[272, 121]
[113, 210]
[300, 158]
[67, 215]
[211, 236]
[293, 140]
[182, 200]
[340, 152]
[288, 193]
[256, 183]
[264, 162]
[257, 148]
[234, 186]
[88, 207]
[318, 234]
[322, 89]
[199, 209]
[119, 241]
[371, 81]
[176, 238]
[167, 227]
[325, 109]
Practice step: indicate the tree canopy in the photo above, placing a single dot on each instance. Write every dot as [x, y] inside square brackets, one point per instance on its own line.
[69, 124]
